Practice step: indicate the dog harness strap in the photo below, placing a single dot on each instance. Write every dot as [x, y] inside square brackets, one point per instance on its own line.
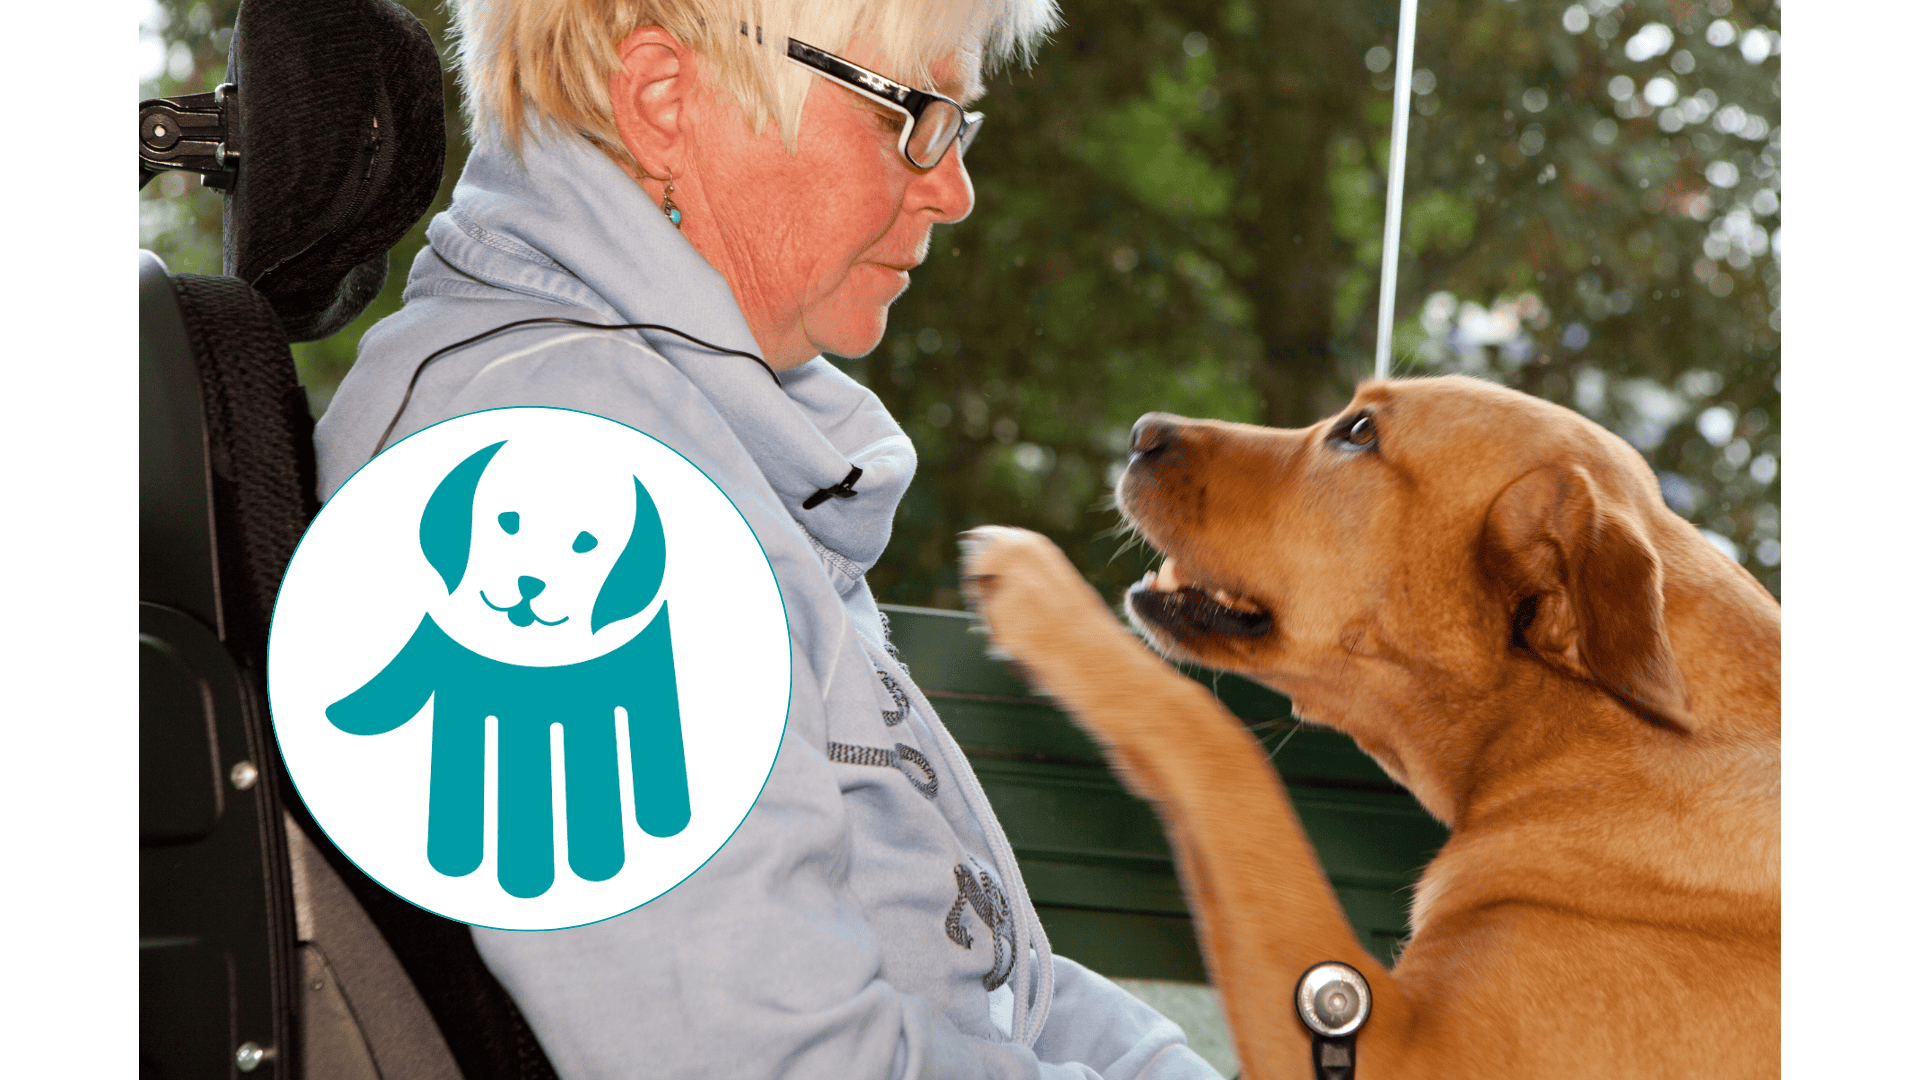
[841, 490]
[1333, 1001]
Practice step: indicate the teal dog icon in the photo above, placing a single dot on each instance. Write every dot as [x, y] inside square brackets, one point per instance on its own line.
[540, 593]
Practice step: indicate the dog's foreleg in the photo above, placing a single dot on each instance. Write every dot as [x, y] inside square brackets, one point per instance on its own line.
[1264, 909]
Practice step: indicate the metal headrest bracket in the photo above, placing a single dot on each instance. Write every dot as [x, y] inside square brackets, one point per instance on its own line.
[189, 133]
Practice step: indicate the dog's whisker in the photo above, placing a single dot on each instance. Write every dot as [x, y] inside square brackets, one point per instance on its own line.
[1275, 752]
[1129, 537]
[1352, 644]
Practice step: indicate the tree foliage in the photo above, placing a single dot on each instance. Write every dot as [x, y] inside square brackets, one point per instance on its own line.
[1180, 208]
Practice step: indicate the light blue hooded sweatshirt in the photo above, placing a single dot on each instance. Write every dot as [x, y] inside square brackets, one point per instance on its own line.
[868, 919]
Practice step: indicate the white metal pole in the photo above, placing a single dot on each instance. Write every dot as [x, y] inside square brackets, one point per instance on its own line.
[1396, 186]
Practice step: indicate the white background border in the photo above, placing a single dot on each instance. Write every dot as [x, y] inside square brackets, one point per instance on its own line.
[69, 788]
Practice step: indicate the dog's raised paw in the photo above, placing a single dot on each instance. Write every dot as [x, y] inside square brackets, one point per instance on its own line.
[1024, 588]
[995, 556]
[983, 552]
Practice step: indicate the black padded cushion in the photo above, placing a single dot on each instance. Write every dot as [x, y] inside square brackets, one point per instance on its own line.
[259, 445]
[341, 131]
[260, 441]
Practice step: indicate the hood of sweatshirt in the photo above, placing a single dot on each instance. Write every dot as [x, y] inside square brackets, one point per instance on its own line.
[561, 223]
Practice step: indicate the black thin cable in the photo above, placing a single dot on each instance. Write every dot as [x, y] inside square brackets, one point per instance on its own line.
[411, 383]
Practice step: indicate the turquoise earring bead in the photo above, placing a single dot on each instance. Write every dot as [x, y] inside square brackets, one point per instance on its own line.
[666, 203]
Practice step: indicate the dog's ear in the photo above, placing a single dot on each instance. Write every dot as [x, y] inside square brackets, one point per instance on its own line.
[1583, 590]
[636, 575]
[446, 525]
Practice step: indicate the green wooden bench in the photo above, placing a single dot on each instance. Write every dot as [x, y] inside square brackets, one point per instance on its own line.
[1094, 858]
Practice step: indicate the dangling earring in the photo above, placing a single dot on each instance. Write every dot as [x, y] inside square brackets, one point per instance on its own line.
[666, 204]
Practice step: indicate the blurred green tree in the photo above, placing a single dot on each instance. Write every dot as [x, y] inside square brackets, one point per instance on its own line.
[1180, 209]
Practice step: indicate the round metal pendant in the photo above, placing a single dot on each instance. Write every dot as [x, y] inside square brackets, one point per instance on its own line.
[1333, 1000]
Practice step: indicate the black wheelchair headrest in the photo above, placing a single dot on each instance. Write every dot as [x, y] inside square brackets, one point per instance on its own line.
[341, 132]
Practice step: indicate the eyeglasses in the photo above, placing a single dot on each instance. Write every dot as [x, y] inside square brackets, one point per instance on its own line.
[934, 121]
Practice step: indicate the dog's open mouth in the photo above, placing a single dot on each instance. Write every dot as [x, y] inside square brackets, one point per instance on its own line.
[521, 613]
[1168, 598]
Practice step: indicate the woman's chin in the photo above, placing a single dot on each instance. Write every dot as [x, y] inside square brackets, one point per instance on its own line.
[852, 337]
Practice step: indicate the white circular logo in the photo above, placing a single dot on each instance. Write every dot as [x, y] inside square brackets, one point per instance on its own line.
[529, 668]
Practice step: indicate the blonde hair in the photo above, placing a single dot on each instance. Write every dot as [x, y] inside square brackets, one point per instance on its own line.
[543, 66]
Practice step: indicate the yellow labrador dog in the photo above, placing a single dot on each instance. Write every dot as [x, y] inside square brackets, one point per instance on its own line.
[1485, 591]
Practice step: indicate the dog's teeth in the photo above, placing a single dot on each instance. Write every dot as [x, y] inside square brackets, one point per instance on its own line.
[1228, 600]
[1167, 579]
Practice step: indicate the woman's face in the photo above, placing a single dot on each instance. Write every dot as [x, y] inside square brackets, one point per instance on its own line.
[817, 244]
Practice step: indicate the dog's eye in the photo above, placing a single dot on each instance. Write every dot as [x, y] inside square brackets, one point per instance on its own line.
[586, 541]
[510, 522]
[1357, 432]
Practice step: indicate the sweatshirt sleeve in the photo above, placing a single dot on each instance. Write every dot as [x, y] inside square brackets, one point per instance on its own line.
[1111, 1033]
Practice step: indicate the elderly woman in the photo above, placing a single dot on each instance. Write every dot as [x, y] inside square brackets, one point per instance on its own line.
[761, 178]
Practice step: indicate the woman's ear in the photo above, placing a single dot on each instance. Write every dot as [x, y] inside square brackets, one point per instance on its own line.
[649, 93]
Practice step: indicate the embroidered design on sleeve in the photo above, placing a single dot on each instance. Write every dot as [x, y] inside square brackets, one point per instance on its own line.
[899, 757]
[895, 715]
[908, 753]
[886, 638]
[991, 905]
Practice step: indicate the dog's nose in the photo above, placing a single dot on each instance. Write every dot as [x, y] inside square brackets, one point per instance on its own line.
[1153, 433]
[531, 587]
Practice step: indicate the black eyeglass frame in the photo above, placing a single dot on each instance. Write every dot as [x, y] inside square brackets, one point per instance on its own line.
[911, 103]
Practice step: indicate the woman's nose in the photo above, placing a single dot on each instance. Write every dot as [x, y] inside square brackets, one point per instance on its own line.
[946, 188]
